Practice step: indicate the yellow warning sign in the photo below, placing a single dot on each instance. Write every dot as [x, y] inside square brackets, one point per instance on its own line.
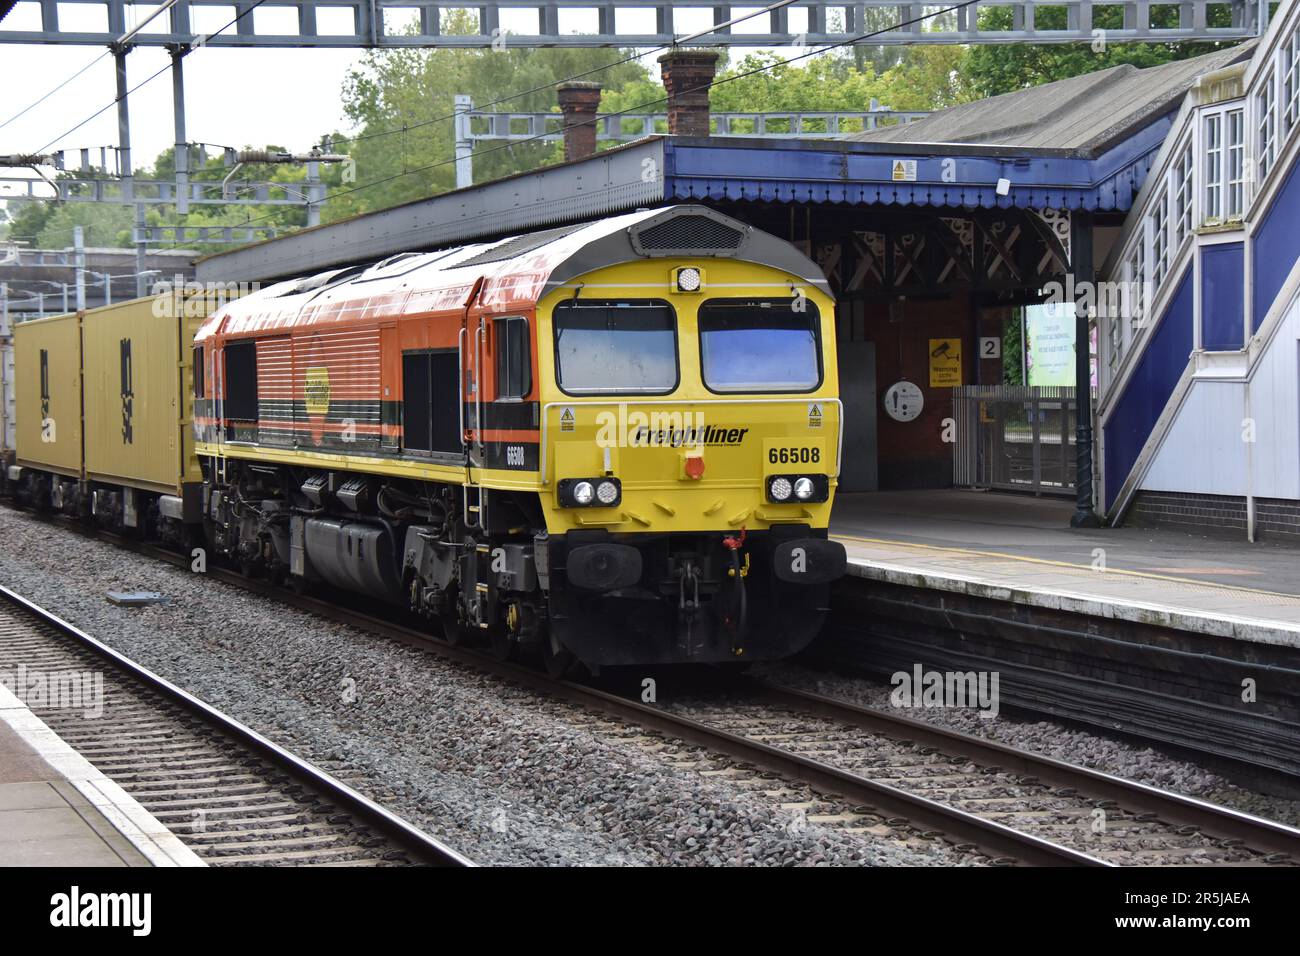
[945, 363]
[814, 415]
[904, 171]
[316, 391]
[567, 419]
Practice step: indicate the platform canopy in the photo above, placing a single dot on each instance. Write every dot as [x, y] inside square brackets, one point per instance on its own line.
[1082, 144]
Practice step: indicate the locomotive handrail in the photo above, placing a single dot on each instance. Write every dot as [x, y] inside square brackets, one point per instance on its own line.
[839, 437]
[460, 391]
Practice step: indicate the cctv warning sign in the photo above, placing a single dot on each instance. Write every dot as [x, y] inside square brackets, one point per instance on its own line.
[945, 363]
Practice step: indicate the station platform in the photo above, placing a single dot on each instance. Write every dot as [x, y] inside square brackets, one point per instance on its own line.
[1021, 549]
[56, 809]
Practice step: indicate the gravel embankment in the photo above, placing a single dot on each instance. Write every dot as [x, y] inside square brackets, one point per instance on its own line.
[1071, 744]
[503, 774]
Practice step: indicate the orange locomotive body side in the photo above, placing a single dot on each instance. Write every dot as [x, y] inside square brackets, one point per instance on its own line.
[329, 372]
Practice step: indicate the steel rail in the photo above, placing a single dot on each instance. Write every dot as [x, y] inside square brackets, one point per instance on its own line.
[425, 847]
[1171, 807]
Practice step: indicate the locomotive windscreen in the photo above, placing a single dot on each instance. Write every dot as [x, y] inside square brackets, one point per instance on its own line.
[768, 345]
[616, 347]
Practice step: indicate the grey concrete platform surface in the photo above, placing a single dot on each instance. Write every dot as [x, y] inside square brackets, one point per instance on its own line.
[56, 809]
[1022, 549]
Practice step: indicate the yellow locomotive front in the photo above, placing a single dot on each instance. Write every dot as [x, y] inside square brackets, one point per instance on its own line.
[690, 443]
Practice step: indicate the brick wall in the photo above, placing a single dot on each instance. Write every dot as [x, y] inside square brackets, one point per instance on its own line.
[913, 454]
[1277, 520]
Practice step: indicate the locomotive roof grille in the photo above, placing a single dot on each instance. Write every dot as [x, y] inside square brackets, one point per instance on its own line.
[688, 235]
[518, 246]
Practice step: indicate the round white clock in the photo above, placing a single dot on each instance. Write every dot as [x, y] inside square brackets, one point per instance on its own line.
[903, 401]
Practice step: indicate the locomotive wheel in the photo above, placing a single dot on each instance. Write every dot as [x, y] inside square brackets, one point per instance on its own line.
[454, 631]
[556, 660]
[502, 647]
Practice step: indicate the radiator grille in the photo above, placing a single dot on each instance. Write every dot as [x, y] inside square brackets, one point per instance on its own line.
[689, 234]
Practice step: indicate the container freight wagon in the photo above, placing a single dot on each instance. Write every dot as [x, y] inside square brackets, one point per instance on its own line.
[139, 401]
[105, 404]
[7, 404]
[47, 388]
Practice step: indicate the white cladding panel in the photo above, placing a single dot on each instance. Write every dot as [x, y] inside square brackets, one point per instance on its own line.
[1206, 449]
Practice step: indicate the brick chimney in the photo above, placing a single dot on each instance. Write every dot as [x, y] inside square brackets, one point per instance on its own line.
[578, 103]
[687, 75]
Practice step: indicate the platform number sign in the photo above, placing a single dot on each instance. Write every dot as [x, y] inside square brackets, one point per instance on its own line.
[990, 346]
[128, 392]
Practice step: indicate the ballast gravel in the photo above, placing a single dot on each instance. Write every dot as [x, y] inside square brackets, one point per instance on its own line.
[505, 775]
[1071, 744]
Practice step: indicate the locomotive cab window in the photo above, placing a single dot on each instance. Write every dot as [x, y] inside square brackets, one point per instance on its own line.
[760, 345]
[241, 381]
[513, 360]
[616, 348]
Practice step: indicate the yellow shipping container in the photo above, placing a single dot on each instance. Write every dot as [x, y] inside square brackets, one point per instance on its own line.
[47, 380]
[139, 394]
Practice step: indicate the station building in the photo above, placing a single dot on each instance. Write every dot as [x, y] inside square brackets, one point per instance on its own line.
[1163, 200]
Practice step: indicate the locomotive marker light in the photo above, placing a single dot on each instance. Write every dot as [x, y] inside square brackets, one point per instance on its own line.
[803, 489]
[583, 492]
[690, 279]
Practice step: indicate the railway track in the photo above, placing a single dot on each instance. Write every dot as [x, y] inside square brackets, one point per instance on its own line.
[232, 796]
[1110, 819]
[898, 774]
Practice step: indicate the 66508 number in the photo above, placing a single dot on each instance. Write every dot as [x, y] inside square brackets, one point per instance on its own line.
[794, 456]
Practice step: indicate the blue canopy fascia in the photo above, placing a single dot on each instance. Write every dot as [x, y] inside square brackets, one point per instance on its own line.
[946, 175]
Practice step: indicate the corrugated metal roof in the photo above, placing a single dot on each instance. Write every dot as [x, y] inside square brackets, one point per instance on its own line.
[1088, 113]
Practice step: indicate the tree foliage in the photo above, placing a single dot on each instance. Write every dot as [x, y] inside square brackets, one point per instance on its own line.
[400, 102]
[1002, 68]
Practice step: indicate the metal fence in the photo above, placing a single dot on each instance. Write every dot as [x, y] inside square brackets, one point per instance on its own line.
[1014, 437]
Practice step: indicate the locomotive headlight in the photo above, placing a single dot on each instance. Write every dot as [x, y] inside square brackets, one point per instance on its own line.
[689, 279]
[779, 489]
[583, 492]
[590, 492]
[804, 489]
